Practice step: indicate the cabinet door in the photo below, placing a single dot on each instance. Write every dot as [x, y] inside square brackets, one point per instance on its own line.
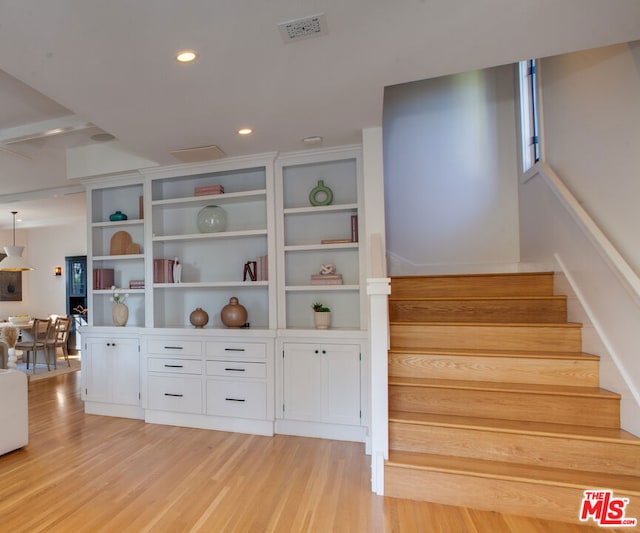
[302, 382]
[111, 370]
[126, 372]
[96, 370]
[341, 384]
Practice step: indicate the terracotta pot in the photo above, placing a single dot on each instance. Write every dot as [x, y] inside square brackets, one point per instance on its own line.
[322, 320]
[199, 317]
[120, 314]
[233, 315]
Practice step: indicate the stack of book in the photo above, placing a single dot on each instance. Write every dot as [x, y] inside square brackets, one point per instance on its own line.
[136, 284]
[102, 278]
[326, 279]
[206, 190]
[163, 270]
[262, 268]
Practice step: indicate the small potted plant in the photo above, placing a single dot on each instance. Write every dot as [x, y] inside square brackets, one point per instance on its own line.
[321, 316]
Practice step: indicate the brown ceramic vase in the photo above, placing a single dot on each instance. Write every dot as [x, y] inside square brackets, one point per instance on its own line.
[233, 315]
[199, 317]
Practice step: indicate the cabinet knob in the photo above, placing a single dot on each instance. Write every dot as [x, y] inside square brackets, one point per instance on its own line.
[317, 351]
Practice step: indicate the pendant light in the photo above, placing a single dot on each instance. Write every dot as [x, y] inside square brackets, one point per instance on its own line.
[14, 261]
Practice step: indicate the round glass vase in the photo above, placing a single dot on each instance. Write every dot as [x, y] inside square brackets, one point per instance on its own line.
[120, 314]
[211, 219]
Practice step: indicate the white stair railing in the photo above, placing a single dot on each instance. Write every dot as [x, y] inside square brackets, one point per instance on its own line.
[378, 290]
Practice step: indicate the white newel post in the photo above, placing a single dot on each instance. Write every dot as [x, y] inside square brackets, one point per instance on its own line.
[378, 290]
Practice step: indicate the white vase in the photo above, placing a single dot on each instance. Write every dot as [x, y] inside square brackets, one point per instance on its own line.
[120, 314]
[322, 320]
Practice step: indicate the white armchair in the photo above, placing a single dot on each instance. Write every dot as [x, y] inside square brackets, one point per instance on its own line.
[14, 415]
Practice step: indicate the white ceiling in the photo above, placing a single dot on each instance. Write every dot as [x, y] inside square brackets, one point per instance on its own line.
[111, 64]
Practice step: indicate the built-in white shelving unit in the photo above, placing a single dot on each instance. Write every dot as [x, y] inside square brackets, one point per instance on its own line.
[302, 227]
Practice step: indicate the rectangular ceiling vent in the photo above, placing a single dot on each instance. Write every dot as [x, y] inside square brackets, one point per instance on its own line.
[294, 30]
[201, 153]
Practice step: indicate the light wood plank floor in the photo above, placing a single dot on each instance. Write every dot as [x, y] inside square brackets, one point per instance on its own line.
[86, 473]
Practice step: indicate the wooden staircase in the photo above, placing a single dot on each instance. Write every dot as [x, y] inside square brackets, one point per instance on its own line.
[492, 403]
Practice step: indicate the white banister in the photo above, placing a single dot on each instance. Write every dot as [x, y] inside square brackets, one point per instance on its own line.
[378, 290]
[616, 262]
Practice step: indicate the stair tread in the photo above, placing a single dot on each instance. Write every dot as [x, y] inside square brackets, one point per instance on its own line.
[567, 325]
[504, 387]
[471, 298]
[483, 275]
[532, 354]
[590, 433]
[516, 472]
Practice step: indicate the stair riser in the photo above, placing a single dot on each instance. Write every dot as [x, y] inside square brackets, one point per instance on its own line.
[497, 311]
[480, 337]
[461, 286]
[573, 372]
[575, 410]
[502, 496]
[542, 450]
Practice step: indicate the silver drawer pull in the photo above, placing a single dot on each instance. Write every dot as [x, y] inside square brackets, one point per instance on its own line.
[234, 400]
[173, 347]
[235, 370]
[174, 395]
[234, 349]
[173, 366]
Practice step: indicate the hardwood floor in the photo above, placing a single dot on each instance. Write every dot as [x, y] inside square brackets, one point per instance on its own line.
[87, 473]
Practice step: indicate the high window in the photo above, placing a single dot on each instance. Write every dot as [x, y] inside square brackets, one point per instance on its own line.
[529, 114]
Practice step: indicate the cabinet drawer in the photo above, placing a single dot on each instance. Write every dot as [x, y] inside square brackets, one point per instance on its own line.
[175, 394]
[174, 347]
[240, 350]
[236, 369]
[239, 399]
[175, 366]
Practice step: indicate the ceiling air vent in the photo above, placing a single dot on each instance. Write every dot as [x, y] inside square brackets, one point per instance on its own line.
[294, 30]
[201, 153]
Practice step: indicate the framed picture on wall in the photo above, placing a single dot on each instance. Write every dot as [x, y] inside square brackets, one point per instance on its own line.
[10, 285]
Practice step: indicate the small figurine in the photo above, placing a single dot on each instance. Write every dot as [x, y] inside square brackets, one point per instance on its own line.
[327, 269]
[177, 271]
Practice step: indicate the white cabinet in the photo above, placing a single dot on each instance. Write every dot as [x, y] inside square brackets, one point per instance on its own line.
[111, 375]
[321, 383]
[238, 380]
[173, 375]
[115, 248]
[210, 380]
[212, 259]
[313, 235]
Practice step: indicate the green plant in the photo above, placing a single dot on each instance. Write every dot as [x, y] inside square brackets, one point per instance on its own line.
[320, 308]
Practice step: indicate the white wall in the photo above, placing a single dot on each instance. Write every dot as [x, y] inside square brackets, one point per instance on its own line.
[554, 225]
[592, 136]
[43, 293]
[450, 159]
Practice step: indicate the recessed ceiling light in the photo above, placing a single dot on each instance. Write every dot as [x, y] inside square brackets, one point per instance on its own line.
[186, 56]
[245, 131]
[316, 139]
[102, 137]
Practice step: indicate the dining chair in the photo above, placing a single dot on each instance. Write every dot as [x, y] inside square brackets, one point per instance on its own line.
[35, 339]
[58, 339]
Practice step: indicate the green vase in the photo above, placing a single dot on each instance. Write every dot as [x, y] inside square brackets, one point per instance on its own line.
[321, 194]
